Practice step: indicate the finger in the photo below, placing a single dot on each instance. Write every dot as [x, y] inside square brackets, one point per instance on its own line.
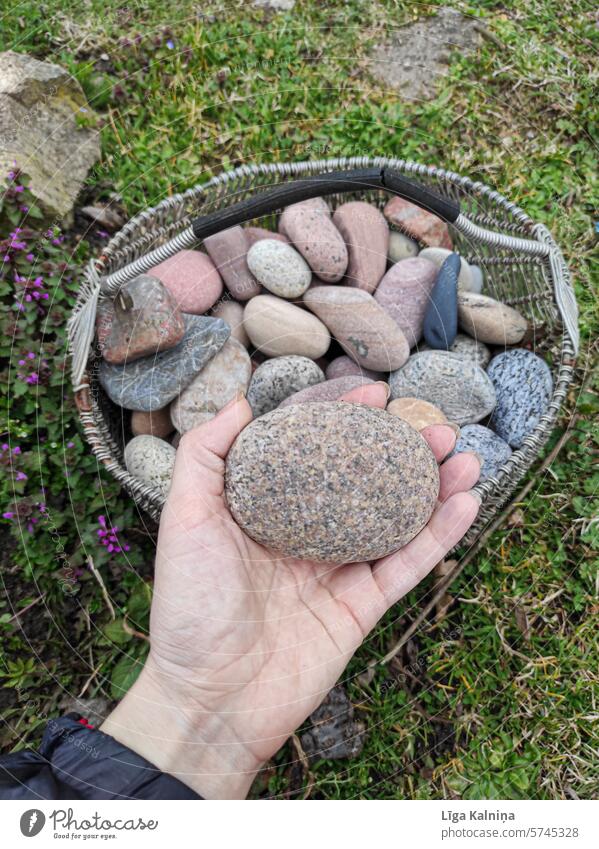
[441, 439]
[199, 462]
[373, 394]
[458, 474]
[399, 573]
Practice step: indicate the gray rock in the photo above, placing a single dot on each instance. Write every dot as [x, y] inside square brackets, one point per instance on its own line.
[277, 379]
[401, 247]
[333, 733]
[279, 267]
[152, 382]
[477, 279]
[468, 348]
[523, 385]
[441, 317]
[42, 109]
[151, 460]
[438, 257]
[492, 450]
[330, 481]
[459, 388]
[227, 373]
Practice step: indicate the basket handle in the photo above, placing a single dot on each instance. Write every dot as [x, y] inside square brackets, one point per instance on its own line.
[325, 184]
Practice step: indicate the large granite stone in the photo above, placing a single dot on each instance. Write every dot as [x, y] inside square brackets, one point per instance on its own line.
[524, 386]
[459, 388]
[331, 481]
[152, 382]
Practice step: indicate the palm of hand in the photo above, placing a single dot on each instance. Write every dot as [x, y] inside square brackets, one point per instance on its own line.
[257, 638]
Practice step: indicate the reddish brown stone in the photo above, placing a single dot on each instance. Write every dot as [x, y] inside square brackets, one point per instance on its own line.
[418, 223]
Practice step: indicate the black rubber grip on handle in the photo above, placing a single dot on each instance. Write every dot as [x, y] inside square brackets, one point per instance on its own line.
[320, 185]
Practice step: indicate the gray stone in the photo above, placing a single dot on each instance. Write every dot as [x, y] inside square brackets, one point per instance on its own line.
[459, 388]
[438, 257]
[401, 247]
[333, 733]
[152, 382]
[151, 460]
[441, 317]
[48, 128]
[276, 379]
[227, 374]
[492, 450]
[417, 54]
[477, 279]
[468, 348]
[331, 481]
[524, 386]
[279, 267]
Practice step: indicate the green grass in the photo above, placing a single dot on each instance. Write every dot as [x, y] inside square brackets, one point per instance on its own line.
[496, 700]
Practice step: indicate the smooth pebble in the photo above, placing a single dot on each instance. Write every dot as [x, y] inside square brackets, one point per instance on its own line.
[228, 250]
[401, 246]
[523, 385]
[192, 280]
[277, 378]
[279, 267]
[441, 317]
[309, 227]
[416, 412]
[492, 450]
[366, 235]
[404, 294]
[278, 328]
[490, 321]
[330, 390]
[151, 460]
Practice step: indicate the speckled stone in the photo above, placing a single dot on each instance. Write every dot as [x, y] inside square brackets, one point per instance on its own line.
[441, 317]
[490, 321]
[418, 223]
[366, 235]
[309, 227]
[438, 257]
[344, 366]
[157, 423]
[152, 382]
[331, 481]
[468, 348]
[151, 460]
[226, 374]
[276, 379]
[401, 247]
[524, 386]
[415, 412]
[151, 321]
[255, 234]
[364, 330]
[228, 250]
[192, 280]
[231, 313]
[491, 449]
[477, 279]
[278, 328]
[461, 389]
[330, 390]
[404, 293]
[280, 268]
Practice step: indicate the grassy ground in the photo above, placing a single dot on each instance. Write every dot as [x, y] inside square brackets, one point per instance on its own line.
[497, 700]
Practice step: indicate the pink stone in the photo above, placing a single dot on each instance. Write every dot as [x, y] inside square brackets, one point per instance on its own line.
[256, 234]
[366, 235]
[328, 390]
[192, 280]
[309, 227]
[344, 366]
[228, 250]
[404, 294]
[418, 223]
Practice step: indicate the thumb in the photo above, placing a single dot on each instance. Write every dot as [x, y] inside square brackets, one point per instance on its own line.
[199, 465]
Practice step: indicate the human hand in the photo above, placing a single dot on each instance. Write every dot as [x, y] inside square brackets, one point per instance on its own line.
[246, 643]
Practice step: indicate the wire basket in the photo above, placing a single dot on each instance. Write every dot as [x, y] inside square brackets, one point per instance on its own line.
[522, 265]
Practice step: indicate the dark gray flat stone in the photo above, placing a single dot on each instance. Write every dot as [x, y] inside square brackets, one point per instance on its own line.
[152, 382]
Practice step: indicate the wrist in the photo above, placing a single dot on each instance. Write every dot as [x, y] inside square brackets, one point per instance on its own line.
[181, 738]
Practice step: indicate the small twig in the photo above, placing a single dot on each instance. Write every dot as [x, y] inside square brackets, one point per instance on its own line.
[305, 764]
[25, 609]
[133, 633]
[446, 582]
[98, 577]
[89, 680]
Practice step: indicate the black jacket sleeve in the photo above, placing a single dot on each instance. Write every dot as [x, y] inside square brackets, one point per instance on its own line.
[76, 761]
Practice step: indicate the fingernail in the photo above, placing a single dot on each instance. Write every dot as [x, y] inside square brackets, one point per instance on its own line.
[386, 385]
[236, 398]
[478, 457]
[455, 427]
[477, 496]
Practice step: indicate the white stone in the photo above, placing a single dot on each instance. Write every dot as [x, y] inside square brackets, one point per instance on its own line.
[151, 460]
[279, 267]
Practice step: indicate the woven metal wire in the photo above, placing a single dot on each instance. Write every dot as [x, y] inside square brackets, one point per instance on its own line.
[537, 285]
